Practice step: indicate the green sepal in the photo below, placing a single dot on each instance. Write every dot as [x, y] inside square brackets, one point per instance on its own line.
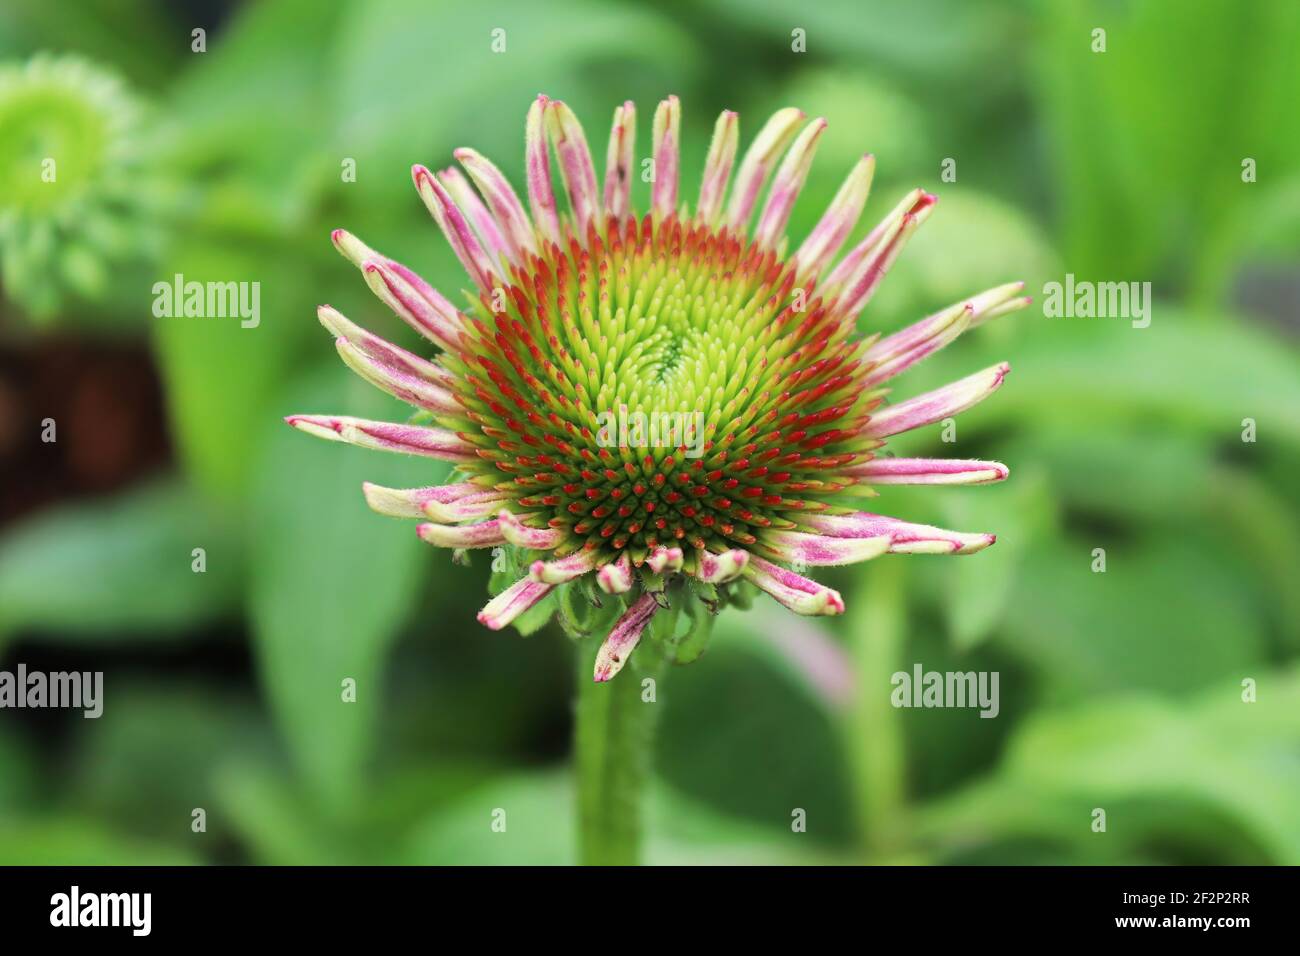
[695, 640]
[740, 594]
[652, 583]
[707, 594]
[582, 616]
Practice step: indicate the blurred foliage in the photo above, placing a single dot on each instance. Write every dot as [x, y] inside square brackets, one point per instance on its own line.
[119, 569]
[1119, 690]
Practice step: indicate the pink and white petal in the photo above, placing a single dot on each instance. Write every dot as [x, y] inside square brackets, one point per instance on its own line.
[410, 502]
[929, 471]
[758, 163]
[862, 284]
[978, 306]
[616, 577]
[537, 159]
[501, 198]
[1014, 304]
[444, 503]
[413, 300]
[985, 304]
[428, 293]
[485, 534]
[943, 329]
[796, 592]
[717, 167]
[622, 640]
[520, 535]
[353, 249]
[719, 568]
[789, 181]
[471, 506]
[853, 259]
[934, 406]
[900, 351]
[512, 602]
[905, 537]
[926, 539]
[619, 162]
[564, 569]
[661, 559]
[412, 389]
[480, 217]
[387, 436]
[439, 323]
[381, 350]
[918, 333]
[839, 219]
[817, 550]
[576, 167]
[455, 227]
[666, 147]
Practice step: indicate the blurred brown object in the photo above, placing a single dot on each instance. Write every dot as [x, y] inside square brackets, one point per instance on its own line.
[109, 425]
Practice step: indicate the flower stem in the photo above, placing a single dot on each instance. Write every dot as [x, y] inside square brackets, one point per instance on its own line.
[612, 743]
[874, 729]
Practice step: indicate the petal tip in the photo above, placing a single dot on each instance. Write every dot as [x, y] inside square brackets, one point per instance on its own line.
[422, 177]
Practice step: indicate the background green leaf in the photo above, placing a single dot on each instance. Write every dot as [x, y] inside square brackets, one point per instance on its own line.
[119, 567]
[331, 583]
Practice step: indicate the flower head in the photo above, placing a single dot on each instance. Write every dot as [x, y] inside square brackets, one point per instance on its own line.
[68, 146]
[701, 316]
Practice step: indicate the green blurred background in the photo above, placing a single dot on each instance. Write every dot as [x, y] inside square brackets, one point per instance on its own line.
[1119, 690]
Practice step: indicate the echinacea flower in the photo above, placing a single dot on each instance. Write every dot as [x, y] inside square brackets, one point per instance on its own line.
[69, 210]
[574, 315]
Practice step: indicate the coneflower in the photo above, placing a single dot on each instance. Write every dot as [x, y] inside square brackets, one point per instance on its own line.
[574, 315]
[72, 207]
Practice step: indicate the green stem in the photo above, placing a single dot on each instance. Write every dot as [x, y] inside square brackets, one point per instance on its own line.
[874, 733]
[612, 745]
